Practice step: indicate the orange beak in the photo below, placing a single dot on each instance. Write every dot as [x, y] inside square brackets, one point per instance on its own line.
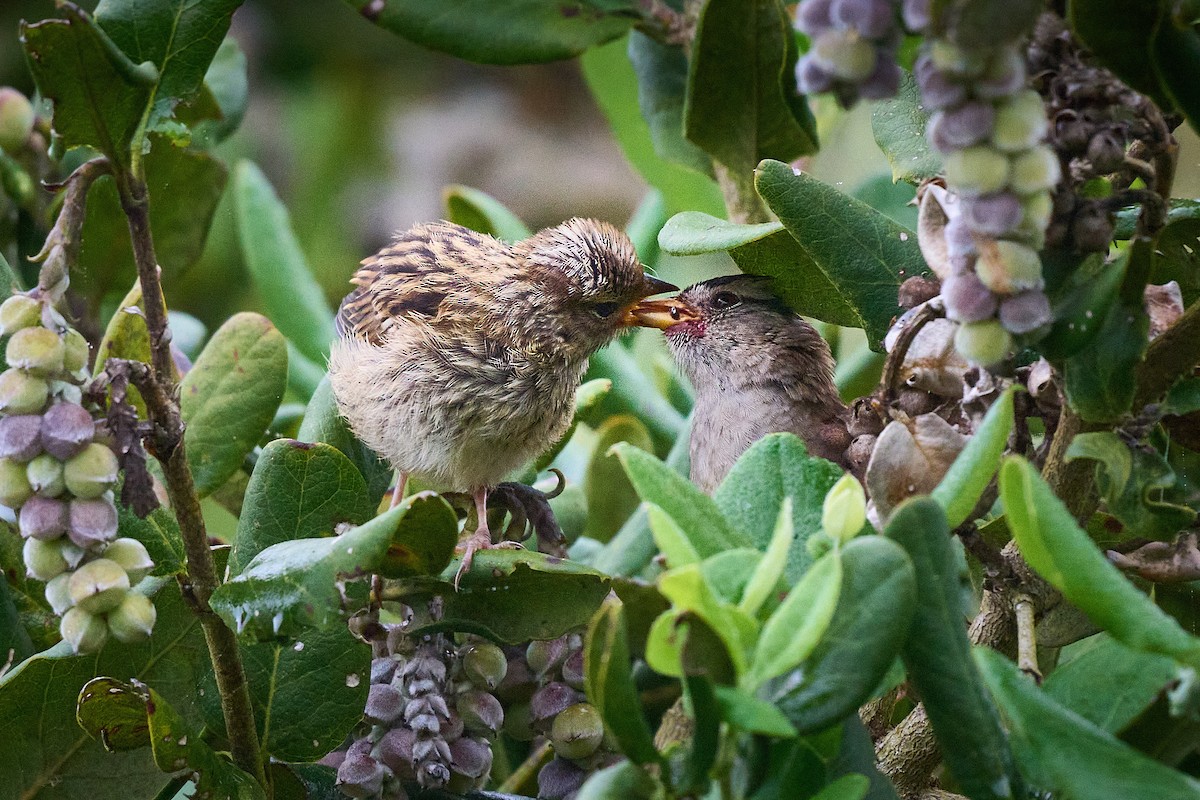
[662, 314]
[652, 286]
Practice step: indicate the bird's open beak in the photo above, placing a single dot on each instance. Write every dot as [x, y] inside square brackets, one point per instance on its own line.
[662, 314]
[652, 286]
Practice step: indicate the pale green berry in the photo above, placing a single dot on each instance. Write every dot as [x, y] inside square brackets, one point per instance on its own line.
[16, 119]
[43, 560]
[99, 586]
[21, 393]
[130, 554]
[1035, 170]
[577, 731]
[133, 620]
[1009, 267]
[75, 351]
[17, 312]
[949, 57]
[984, 343]
[58, 593]
[46, 475]
[978, 170]
[845, 509]
[91, 473]
[36, 350]
[85, 632]
[72, 552]
[844, 54]
[14, 483]
[485, 665]
[1020, 123]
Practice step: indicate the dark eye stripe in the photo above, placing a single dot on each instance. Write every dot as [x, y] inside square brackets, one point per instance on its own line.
[604, 309]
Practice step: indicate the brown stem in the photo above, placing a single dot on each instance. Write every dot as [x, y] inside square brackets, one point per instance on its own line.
[159, 390]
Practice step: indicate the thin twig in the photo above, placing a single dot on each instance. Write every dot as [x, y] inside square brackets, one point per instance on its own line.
[1027, 660]
[524, 777]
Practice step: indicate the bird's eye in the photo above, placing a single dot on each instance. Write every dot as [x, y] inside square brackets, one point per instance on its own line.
[725, 300]
[604, 310]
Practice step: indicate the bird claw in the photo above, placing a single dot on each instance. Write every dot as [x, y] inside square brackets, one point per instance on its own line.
[527, 504]
[481, 539]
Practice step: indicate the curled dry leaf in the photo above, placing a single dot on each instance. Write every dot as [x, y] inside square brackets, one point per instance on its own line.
[1164, 305]
[935, 209]
[931, 363]
[1163, 562]
[910, 458]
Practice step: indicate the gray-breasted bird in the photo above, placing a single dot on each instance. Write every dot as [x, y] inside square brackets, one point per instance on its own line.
[757, 368]
[458, 355]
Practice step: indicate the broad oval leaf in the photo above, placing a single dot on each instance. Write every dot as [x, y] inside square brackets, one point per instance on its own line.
[793, 631]
[609, 682]
[481, 212]
[974, 467]
[324, 423]
[625, 780]
[229, 397]
[899, 126]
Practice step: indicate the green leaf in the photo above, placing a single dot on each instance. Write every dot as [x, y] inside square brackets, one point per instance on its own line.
[1132, 481]
[180, 37]
[324, 423]
[899, 126]
[184, 187]
[671, 540]
[695, 512]
[938, 657]
[1177, 256]
[869, 626]
[128, 716]
[513, 596]
[623, 781]
[609, 682]
[56, 759]
[297, 584]
[972, 471]
[99, 94]
[1064, 753]
[770, 568]
[863, 253]
[307, 694]
[793, 631]
[15, 642]
[230, 395]
[159, 532]
[610, 496]
[742, 104]
[691, 233]
[297, 491]
[1110, 684]
[1122, 36]
[291, 296]
[228, 86]
[481, 212]
[696, 612]
[615, 86]
[1082, 305]
[1176, 53]
[516, 32]
[847, 787]
[1056, 547]
[774, 468]
[10, 281]
[126, 336]
[645, 223]
[747, 713]
[635, 392]
[662, 77]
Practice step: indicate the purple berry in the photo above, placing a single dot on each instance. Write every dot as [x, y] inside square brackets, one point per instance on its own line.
[916, 14]
[1004, 75]
[42, 518]
[471, 757]
[874, 19]
[1025, 312]
[559, 779]
[360, 776]
[550, 700]
[20, 437]
[396, 752]
[962, 126]
[960, 242]
[813, 17]
[967, 299]
[938, 90]
[812, 78]
[992, 214]
[93, 522]
[66, 429]
[884, 81]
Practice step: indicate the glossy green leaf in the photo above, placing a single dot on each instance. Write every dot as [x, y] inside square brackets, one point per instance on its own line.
[662, 77]
[742, 104]
[481, 212]
[972, 471]
[1081, 306]
[856, 756]
[863, 253]
[937, 654]
[871, 623]
[128, 716]
[10, 281]
[1062, 553]
[99, 94]
[307, 693]
[615, 86]
[1132, 482]
[674, 633]
[671, 540]
[1110, 684]
[297, 491]
[290, 295]
[695, 512]
[728, 572]
[512, 596]
[518, 32]
[297, 584]
[899, 125]
[126, 336]
[180, 37]
[623, 781]
[770, 568]
[185, 186]
[56, 759]
[230, 395]
[1065, 754]
[774, 468]
[792, 632]
[752, 715]
[610, 496]
[609, 682]
[1121, 36]
[690, 233]
[323, 423]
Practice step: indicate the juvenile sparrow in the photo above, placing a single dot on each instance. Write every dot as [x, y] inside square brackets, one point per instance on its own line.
[458, 355]
[757, 368]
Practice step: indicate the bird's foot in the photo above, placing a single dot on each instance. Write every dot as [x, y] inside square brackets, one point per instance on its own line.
[530, 506]
[480, 539]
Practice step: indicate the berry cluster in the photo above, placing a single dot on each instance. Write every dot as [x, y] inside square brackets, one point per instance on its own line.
[59, 480]
[990, 129]
[430, 716]
[853, 51]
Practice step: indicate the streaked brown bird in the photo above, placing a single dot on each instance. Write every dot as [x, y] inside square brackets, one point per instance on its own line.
[458, 355]
[757, 368]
